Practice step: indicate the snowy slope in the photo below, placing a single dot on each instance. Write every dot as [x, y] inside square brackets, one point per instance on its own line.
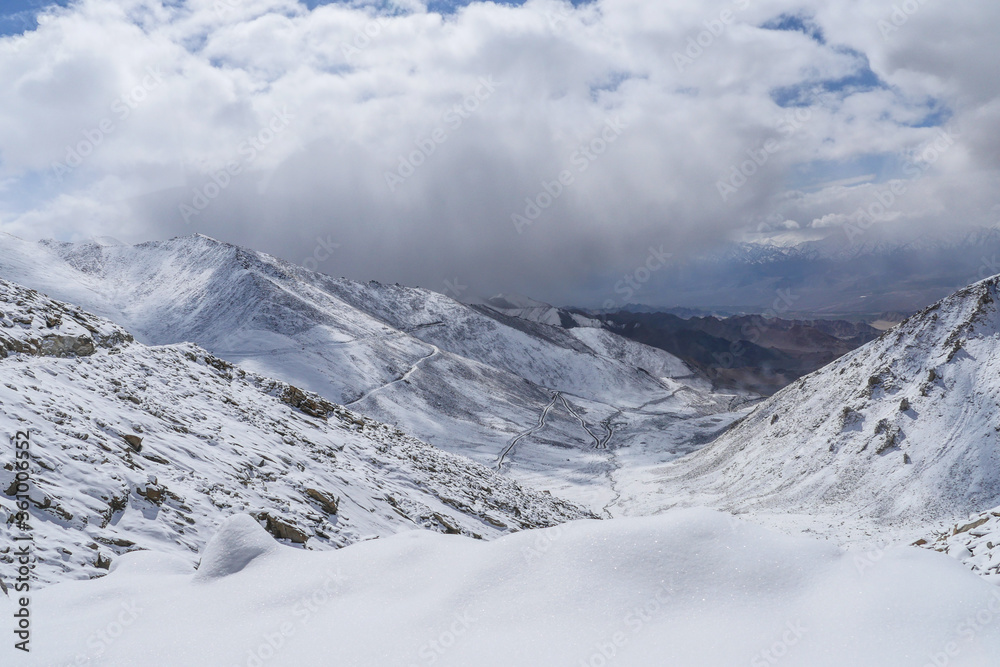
[545, 355]
[687, 588]
[543, 403]
[656, 362]
[975, 541]
[530, 309]
[902, 431]
[137, 447]
[595, 336]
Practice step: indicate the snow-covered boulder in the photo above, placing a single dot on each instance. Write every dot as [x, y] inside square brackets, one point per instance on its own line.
[239, 541]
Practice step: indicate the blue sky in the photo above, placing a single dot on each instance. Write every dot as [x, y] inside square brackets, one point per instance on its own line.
[16, 16]
[442, 6]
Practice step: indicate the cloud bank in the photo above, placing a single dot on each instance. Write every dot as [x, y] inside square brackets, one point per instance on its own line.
[542, 148]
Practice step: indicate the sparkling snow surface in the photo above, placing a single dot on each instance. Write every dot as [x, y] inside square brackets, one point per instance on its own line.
[691, 587]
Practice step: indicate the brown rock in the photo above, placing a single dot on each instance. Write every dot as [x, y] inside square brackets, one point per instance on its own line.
[969, 526]
[326, 501]
[449, 528]
[134, 441]
[66, 346]
[152, 493]
[313, 406]
[281, 529]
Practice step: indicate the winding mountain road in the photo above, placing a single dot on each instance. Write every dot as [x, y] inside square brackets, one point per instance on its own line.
[583, 422]
[537, 427]
[403, 378]
[609, 427]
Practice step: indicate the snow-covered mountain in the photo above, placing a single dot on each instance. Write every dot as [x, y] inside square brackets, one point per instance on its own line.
[593, 333]
[840, 245]
[901, 432]
[136, 447]
[527, 308]
[186, 479]
[536, 400]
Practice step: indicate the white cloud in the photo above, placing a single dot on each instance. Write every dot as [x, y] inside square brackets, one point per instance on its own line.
[365, 88]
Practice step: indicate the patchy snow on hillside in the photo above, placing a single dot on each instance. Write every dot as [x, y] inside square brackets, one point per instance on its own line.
[974, 541]
[898, 434]
[661, 365]
[691, 587]
[547, 406]
[137, 447]
[526, 308]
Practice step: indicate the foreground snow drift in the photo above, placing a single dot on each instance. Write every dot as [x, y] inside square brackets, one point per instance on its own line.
[691, 587]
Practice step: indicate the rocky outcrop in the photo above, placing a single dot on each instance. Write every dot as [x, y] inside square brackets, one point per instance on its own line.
[48, 346]
[281, 529]
[311, 404]
[326, 501]
[33, 324]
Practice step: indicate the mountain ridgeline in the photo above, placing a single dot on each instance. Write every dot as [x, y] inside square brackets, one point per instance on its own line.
[904, 430]
[546, 404]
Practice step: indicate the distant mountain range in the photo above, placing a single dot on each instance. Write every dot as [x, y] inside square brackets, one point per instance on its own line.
[837, 276]
[743, 353]
[747, 352]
